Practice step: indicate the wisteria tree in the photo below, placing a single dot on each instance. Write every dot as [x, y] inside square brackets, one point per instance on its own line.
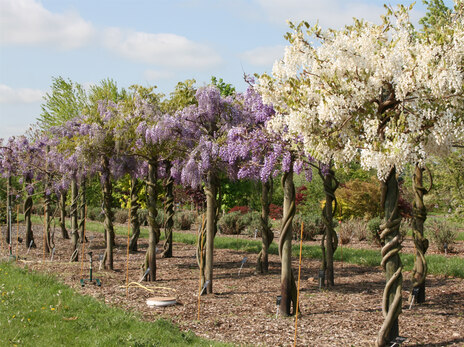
[380, 92]
[257, 151]
[95, 148]
[203, 127]
[250, 150]
[148, 136]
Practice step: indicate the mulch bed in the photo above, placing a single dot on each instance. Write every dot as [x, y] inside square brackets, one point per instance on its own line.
[242, 309]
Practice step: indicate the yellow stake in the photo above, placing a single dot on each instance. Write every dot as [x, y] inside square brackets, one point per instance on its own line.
[17, 231]
[298, 286]
[201, 262]
[127, 258]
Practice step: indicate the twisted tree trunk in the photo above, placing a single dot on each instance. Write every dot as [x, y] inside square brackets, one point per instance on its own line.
[107, 190]
[287, 280]
[391, 262]
[64, 231]
[74, 225]
[211, 189]
[201, 251]
[8, 209]
[82, 213]
[27, 217]
[262, 264]
[330, 238]
[48, 212]
[419, 272]
[169, 212]
[153, 227]
[134, 207]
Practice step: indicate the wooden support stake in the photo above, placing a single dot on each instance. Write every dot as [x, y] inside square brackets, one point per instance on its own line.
[298, 286]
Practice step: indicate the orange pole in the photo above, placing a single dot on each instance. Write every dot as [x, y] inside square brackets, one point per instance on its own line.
[298, 286]
[201, 263]
[127, 258]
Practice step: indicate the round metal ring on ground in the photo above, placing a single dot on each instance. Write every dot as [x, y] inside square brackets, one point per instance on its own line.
[161, 301]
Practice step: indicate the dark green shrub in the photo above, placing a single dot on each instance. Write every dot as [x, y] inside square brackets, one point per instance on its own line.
[252, 222]
[442, 233]
[120, 216]
[95, 214]
[231, 224]
[143, 216]
[312, 226]
[373, 228]
[183, 220]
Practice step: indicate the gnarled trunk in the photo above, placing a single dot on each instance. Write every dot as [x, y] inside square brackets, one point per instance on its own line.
[211, 189]
[64, 231]
[153, 227]
[82, 212]
[27, 218]
[134, 207]
[107, 190]
[287, 280]
[391, 262]
[9, 222]
[74, 225]
[419, 272]
[329, 242]
[201, 251]
[262, 264]
[169, 212]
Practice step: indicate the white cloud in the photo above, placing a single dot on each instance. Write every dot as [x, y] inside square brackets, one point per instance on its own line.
[10, 95]
[155, 75]
[264, 56]
[329, 13]
[27, 22]
[168, 50]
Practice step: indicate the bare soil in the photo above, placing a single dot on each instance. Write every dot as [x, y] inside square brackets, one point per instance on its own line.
[242, 309]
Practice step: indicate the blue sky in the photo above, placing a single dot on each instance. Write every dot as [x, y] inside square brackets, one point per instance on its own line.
[157, 42]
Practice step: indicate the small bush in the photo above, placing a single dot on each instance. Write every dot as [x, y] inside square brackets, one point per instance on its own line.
[373, 230]
[161, 218]
[95, 214]
[183, 220]
[252, 222]
[442, 233]
[312, 226]
[231, 223]
[353, 228]
[120, 216]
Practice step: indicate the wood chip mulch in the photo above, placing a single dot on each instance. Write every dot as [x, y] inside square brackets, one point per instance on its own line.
[242, 309]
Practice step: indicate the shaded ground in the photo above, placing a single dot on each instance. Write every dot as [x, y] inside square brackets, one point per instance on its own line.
[243, 310]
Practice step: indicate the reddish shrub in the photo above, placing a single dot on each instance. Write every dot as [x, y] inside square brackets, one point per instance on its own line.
[275, 212]
[241, 209]
[301, 195]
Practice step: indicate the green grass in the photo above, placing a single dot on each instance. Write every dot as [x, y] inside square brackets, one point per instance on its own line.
[37, 310]
[437, 264]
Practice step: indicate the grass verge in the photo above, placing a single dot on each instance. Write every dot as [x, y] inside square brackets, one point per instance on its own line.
[37, 310]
